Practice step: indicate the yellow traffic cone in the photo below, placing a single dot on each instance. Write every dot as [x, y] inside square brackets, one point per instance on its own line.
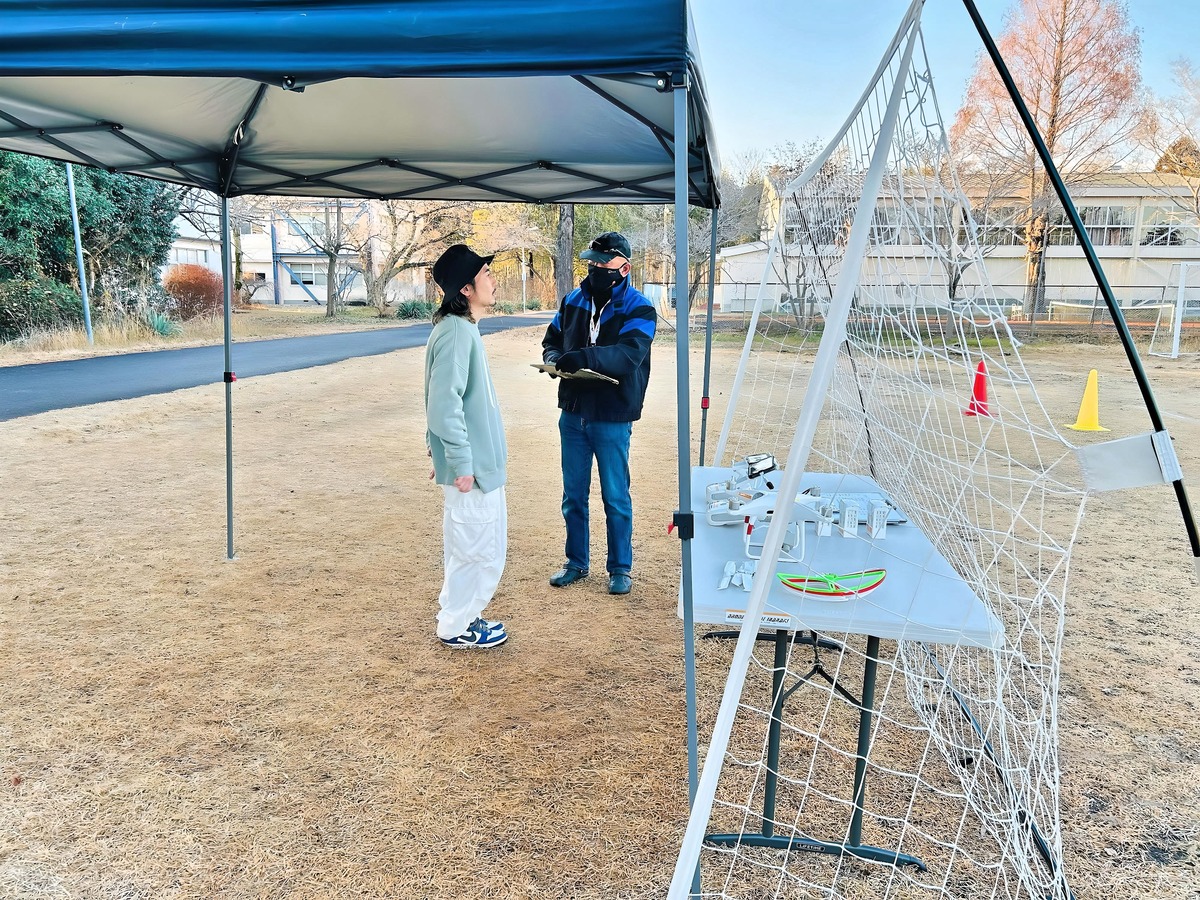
[1089, 410]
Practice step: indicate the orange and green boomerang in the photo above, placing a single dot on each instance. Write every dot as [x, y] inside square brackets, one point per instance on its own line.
[849, 585]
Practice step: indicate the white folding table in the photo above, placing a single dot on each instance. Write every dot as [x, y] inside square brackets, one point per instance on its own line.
[922, 598]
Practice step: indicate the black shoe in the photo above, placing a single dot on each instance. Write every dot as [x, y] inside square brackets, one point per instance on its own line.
[567, 575]
[620, 583]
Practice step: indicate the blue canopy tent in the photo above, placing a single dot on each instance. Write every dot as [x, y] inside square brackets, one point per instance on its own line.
[540, 101]
[535, 100]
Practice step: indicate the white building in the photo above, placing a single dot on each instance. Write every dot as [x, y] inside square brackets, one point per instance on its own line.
[280, 257]
[194, 246]
[1143, 226]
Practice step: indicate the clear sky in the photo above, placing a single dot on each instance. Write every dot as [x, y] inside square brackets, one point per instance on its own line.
[789, 70]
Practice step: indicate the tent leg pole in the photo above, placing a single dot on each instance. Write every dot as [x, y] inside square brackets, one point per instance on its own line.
[684, 515]
[83, 294]
[227, 303]
[708, 332]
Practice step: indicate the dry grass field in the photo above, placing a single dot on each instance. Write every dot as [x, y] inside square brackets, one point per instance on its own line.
[285, 725]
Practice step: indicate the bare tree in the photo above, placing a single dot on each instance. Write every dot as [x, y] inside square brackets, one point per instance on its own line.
[1077, 66]
[943, 208]
[1171, 132]
[399, 235]
[333, 241]
[737, 220]
[525, 231]
[786, 162]
[564, 251]
[329, 227]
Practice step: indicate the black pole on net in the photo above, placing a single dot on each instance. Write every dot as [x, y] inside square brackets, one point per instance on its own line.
[1089, 252]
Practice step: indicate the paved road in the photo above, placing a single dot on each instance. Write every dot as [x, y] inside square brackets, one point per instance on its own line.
[26, 390]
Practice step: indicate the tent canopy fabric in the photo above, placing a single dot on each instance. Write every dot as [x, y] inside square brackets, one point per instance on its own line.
[529, 100]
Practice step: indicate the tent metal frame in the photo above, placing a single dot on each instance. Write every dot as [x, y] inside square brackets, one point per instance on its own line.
[692, 176]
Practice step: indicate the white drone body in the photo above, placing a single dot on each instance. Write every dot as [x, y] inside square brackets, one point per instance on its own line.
[752, 478]
[758, 513]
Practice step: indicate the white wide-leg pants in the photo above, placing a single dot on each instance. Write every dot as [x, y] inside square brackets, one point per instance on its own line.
[475, 543]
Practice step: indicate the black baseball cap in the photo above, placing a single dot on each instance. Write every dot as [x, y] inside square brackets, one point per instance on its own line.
[607, 247]
[457, 267]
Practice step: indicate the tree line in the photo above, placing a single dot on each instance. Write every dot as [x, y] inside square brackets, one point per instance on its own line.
[1076, 63]
[125, 227]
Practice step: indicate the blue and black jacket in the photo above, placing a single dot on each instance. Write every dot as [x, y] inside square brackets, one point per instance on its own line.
[621, 351]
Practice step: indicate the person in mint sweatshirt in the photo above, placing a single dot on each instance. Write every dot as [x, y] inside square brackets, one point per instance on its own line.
[465, 438]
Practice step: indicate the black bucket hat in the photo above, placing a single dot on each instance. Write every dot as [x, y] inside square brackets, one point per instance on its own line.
[457, 267]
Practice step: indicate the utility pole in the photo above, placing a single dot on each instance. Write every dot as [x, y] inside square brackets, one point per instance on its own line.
[524, 278]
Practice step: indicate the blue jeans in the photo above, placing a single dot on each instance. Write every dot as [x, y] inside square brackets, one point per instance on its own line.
[608, 442]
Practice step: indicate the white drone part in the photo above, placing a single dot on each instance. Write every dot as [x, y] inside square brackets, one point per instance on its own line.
[747, 571]
[742, 503]
[760, 506]
[877, 516]
[824, 520]
[809, 506]
[749, 475]
[759, 464]
[720, 490]
[727, 576]
[848, 516]
[725, 511]
[755, 536]
[734, 487]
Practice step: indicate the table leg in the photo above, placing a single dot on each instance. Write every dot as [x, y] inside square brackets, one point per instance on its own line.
[774, 733]
[853, 845]
[865, 711]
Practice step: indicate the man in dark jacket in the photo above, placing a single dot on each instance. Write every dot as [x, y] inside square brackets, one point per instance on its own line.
[607, 326]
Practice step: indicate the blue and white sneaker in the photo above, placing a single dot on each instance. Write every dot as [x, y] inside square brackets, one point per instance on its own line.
[488, 626]
[476, 637]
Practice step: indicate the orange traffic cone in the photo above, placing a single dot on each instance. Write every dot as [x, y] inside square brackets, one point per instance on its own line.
[978, 405]
[1089, 410]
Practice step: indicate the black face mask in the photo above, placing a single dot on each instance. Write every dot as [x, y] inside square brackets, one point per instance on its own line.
[602, 281]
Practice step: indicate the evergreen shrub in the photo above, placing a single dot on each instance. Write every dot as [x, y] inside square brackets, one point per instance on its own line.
[28, 304]
[414, 309]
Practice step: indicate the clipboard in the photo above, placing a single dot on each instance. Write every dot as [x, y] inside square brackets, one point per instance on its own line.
[585, 374]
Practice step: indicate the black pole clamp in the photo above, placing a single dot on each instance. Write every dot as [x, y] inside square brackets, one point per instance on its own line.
[685, 523]
[230, 378]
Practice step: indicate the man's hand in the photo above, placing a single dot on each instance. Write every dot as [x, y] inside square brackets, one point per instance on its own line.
[464, 483]
[571, 361]
[432, 472]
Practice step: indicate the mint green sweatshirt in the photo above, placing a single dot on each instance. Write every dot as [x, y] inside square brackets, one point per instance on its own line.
[465, 432]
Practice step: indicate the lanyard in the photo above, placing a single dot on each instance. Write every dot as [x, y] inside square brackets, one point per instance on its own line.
[594, 322]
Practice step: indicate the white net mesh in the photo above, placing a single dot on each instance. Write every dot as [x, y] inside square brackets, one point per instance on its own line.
[930, 400]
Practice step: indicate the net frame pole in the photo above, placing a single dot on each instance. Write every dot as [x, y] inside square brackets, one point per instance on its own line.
[1089, 252]
[810, 413]
[911, 15]
[739, 377]
[1179, 302]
